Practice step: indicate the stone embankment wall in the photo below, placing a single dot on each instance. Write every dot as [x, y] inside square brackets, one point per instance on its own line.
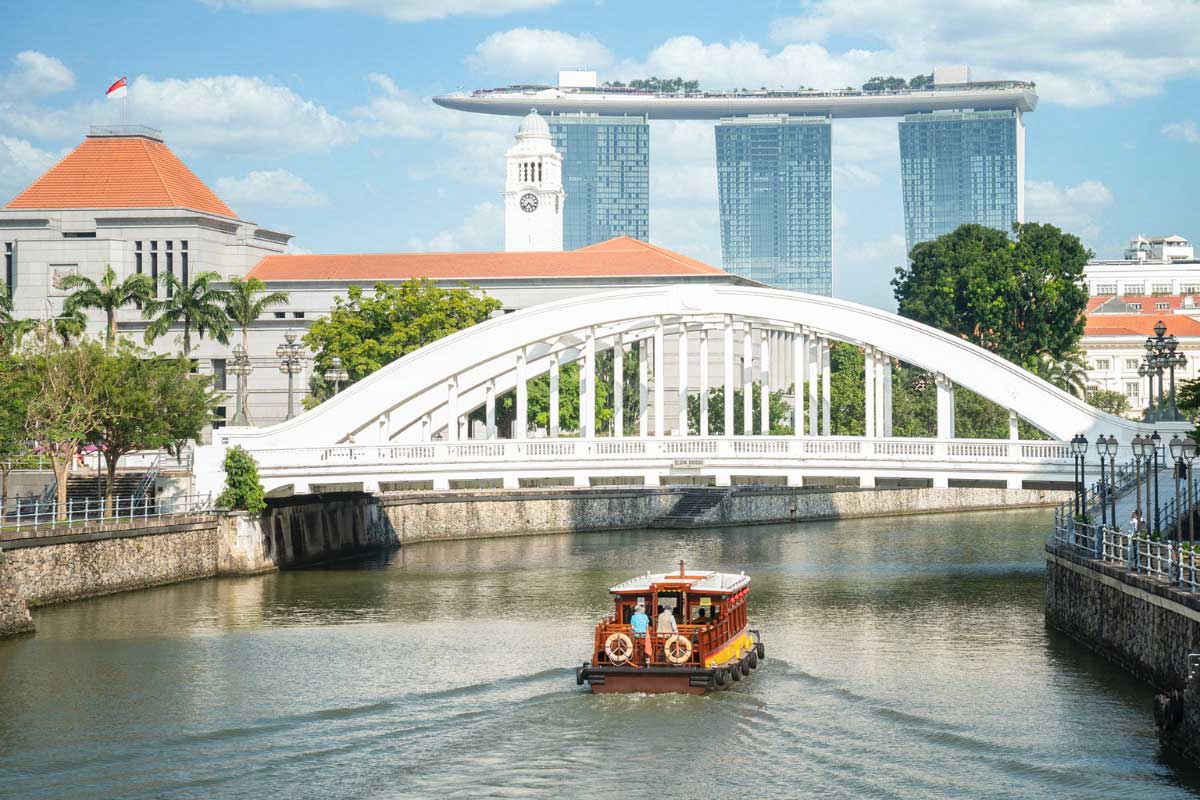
[469, 514]
[85, 562]
[1138, 622]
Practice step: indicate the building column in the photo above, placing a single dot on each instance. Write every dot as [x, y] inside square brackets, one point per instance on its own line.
[659, 380]
[727, 355]
[522, 419]
[1014, 431]
[747, 381]
[799, 359]
[490, 410]
[643, 389]
[587, 387]
[764, 386]
[826, 427]
[869, 417]
[945, 407]
[704, 382]
[554, 394]
[452, 410]
[683, 379]
[618, 392]
[812, 357]
[885, 407]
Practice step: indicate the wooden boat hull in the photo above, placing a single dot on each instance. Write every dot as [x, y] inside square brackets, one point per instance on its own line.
[610, 679]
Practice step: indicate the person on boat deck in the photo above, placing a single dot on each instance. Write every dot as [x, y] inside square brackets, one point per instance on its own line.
[701, 619]
[639, 622]
[666, 622]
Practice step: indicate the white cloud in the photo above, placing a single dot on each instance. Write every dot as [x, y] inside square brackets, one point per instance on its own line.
[36, 74]
[529, 54]
[20, 164]
[235, 113]
[1072, 208]
[396, 112]
[396, 10]
[277, 187]
[1184, 131]
[480, 231]
[1079, 54]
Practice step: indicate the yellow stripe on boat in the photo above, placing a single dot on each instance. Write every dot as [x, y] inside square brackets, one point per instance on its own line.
[733, 651]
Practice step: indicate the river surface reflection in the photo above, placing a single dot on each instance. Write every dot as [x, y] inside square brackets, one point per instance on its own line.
[906, 658]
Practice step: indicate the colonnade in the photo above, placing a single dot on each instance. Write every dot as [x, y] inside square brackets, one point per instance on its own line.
[770, 354]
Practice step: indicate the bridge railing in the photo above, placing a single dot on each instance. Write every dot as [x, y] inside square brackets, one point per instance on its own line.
[22, 517]
[817, 448]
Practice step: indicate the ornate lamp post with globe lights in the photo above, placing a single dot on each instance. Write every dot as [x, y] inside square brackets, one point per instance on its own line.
[242, 368]
[290, 364]
[336, 374]
[1161, 356]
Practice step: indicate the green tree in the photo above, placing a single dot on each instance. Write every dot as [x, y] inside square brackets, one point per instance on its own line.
[246, 301]
[197, 306]
[63, 408]
[16, 386]
[369, 332]
[243, 490]
[12, 330]
[109, 295]
[148, 403]
[1018, 297]
[920, 82]
[1110, 401]
[1067, 373]
[779, 412]
[879, 84]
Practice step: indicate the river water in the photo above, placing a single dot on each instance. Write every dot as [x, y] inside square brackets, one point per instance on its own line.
[905, 658]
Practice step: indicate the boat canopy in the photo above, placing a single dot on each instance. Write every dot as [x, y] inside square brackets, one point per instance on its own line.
[692, 580]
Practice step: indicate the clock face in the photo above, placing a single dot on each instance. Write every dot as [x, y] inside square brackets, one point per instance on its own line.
[529, 202]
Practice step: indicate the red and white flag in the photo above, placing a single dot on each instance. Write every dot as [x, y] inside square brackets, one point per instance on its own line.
[117, 90]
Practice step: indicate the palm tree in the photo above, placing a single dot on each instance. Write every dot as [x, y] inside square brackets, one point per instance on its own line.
[1067, 373]
[197, 305]
[246, 303]
[12, 330]
[108, 295]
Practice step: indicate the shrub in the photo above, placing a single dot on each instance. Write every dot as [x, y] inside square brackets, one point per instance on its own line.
[243, 491]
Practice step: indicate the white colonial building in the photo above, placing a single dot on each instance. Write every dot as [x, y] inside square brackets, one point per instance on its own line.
[1159, 279]
[122, 198]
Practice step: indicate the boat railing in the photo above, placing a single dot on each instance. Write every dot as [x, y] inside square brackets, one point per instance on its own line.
[705, 640]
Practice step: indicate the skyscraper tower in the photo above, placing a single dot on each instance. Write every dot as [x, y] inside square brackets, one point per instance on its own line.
[774, 180]
[533, 193]
[959, 167]
[606, 173]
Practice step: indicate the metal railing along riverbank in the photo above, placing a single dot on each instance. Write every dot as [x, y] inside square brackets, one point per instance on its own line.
[1174, 562]
[24, 514]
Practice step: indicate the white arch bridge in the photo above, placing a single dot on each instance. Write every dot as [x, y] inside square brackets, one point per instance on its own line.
[406, 425]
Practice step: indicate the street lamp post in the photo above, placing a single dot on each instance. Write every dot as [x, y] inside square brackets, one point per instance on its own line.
[1138, 445]
[1161, 357]
[1112, 446]
[242, 368]
[290, 362]
[1102, 451]
[1155, 442]
[1189, 453]
[1079, 447]
[1176, 448]
[336, 374]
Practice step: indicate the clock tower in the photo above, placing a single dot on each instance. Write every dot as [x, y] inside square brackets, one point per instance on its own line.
[533, 193]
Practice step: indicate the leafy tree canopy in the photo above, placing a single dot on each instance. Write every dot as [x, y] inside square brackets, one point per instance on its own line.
[243, 490]
[108, 295]
[370, 331]
[1018, 297]
[655, 84]
[1110, 401]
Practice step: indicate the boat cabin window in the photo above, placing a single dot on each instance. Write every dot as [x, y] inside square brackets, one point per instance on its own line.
[671, 601]
[703, 611]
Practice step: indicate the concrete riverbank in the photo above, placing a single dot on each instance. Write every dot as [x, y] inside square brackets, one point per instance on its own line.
[58, 565]
[1139, 622]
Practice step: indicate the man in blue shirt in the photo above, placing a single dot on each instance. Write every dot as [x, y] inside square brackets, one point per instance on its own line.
[639, 621]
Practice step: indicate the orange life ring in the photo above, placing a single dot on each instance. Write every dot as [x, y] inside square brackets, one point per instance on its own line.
[677, 649]
[618, 647]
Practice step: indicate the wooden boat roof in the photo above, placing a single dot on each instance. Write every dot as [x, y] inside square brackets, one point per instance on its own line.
[691, 580]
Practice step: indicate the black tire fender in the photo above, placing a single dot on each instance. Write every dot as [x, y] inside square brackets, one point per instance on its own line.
[720, 677]
[745, 667]
[752, 659]
[761, 649]
[736, 672]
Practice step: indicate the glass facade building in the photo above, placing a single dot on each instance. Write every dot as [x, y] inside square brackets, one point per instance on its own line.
[961, 167]
[774, 194]
[606, 176]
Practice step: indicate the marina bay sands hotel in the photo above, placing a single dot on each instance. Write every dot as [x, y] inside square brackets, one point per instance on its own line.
[962, 159]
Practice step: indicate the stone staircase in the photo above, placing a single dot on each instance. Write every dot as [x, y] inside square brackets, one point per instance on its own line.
[694, 508]
[82, 486]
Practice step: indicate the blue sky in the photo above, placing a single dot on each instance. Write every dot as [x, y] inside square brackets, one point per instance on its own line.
[313, 116]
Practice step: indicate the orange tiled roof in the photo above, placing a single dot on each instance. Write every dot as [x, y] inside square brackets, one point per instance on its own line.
[1139, 325]
[1148, 302]
[120, 172]
[622, 256]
